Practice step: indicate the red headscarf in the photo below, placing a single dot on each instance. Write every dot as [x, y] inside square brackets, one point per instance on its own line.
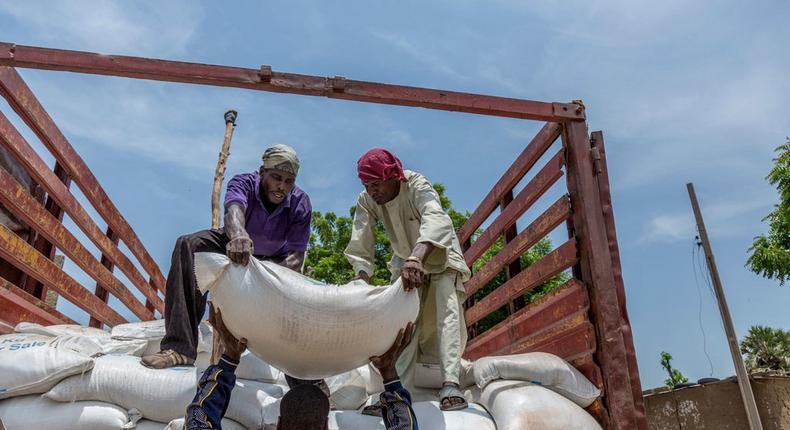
[379, 165]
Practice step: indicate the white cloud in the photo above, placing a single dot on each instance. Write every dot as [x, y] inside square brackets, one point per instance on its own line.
[723, 218]
[132, 28]
[432, 60]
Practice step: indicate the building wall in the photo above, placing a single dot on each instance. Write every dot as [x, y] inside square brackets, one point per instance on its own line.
[718, 405]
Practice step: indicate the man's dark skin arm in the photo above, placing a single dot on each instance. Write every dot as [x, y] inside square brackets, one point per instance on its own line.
[240, 247]
[412, 273]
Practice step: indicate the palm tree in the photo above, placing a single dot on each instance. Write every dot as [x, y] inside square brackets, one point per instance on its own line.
[767, 349]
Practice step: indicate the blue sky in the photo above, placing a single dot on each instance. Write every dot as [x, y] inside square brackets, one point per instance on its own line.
[684, 91]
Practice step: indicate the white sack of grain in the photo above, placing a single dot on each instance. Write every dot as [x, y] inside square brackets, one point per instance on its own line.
[102, 338]
[32, 363]
[308, 329]
[153, 332]
[429, 416]
[35, 412]
[539, 368]
[178, 424]
[159, 394]
[519, 405]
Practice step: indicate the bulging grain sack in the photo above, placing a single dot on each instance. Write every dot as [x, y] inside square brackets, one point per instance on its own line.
[349, 390]
[518, 405]
[32, 363]
[248, 401]
[159, 394]
[153, 332]
[102, 338]
[308, 329]
[151, 425]
[178, 424]
[427, 375]
[540, 368]
[250, 367]
[429, 416]
[36, 412]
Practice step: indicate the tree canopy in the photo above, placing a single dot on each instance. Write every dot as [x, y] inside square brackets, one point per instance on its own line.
[770, 253]
[330, 235]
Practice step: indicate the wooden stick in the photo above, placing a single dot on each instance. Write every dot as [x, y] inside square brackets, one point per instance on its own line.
[219, 176]
[219, 173]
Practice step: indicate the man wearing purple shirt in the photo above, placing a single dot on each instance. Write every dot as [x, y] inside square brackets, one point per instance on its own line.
[266, 216]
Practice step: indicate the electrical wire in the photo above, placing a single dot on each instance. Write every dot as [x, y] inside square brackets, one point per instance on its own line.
[694, 254]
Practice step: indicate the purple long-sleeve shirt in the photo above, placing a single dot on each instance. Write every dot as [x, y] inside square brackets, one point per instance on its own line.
[275, 234]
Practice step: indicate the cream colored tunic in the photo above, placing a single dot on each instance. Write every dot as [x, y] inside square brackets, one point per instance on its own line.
[414, 216]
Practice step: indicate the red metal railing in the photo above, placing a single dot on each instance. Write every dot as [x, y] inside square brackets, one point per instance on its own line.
[584, 320]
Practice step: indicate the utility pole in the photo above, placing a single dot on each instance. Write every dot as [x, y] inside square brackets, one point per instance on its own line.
[740, 370]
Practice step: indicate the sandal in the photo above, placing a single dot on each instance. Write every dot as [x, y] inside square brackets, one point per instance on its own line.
[447, 394]
[166, 359]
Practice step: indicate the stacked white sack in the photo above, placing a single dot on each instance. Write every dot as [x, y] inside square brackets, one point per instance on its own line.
[306, 328]
[250, 367]
[429, 416]
[32, 363]
[153, 331]
[36, 412]
[102, 338]
[539, 368]
[518, 405]
[178, 424]
[160, 395]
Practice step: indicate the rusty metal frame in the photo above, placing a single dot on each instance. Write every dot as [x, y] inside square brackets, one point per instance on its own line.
[584, 321]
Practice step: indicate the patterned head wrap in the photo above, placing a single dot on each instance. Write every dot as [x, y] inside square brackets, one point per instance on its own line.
[379, 165]
[281, 157]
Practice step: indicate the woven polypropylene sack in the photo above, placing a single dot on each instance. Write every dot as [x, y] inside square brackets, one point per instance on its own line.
[102, 338]
[249, 400]
[308, 329]
[153, 332]
[429, 416]
[36, 412]
[540, 368]
[519, 405]
[159, 394]
[32, 363]
[178, 424]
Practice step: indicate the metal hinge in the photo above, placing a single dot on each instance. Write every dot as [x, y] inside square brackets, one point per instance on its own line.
[596, 160]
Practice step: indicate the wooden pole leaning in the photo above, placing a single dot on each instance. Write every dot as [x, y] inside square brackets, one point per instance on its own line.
[219, 177]
[219, 173]
[740, 370]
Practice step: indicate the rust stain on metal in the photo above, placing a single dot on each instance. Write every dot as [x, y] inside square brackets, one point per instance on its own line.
[25, 257]
[535, 188]
[533, 276]
[567, 301]
[16, 198]
[17, 145]
[536, 148]
[543, 225]
[597, 272]
[18, 306]
[22, 100]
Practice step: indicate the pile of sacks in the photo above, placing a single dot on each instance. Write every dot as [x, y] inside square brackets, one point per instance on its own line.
[73, 377]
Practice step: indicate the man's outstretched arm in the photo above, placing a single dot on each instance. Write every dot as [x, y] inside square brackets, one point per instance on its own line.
[214, 388]
[396, 400]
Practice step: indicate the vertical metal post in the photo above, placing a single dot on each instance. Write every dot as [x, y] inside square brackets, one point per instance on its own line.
[595, 267]
[513, 268]
[740, 370]
[100, 291]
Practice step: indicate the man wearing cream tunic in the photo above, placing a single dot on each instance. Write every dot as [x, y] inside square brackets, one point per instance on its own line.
[426, 255]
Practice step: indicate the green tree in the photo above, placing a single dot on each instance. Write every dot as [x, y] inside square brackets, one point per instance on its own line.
[767, 349]
[675, 377]
[330, 235]
[770, 254]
